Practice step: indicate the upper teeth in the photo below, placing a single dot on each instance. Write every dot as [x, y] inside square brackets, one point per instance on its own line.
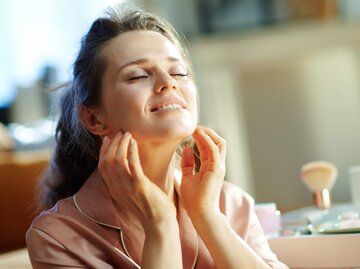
[170, 106]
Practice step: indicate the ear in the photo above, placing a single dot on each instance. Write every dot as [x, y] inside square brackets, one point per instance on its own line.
[93, 120]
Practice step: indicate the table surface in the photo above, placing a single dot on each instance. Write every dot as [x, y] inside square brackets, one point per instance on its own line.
[318, 251]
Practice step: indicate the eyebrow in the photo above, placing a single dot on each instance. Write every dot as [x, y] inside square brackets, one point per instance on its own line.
[144, 61]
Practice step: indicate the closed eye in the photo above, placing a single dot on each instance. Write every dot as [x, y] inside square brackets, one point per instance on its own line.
[179, 75]
[138, 78]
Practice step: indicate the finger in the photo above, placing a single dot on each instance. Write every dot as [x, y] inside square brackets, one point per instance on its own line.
[187, 162]
[201, 145]
[120, 157]
[107, 151]
[104, 147]
[134, 160]
[212, 151]
[213, 135]
[205, 144]
[218, 140]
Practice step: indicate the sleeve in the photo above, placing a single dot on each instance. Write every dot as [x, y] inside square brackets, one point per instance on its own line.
[238, 206]
[46, 252]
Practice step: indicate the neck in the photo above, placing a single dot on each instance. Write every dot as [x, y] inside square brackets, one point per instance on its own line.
[157, 163]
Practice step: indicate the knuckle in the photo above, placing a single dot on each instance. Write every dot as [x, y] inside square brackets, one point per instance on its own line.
[222, 142]
[139, 189]
[118, 162]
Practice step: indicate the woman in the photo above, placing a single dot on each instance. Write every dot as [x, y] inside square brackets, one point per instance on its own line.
[116, 202]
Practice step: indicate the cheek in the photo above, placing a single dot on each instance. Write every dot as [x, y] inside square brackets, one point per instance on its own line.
[128, 107]
[192, 95]
[121, 95]
[120, 104]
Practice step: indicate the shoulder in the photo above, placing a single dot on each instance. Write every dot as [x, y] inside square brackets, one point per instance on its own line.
[63, 209]
[45, 237]
[60, 223]
[44, 250]
[238, 207]
[63, 236]
[233, 196]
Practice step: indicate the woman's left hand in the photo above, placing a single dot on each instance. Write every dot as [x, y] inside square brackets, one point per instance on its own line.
[200, 191]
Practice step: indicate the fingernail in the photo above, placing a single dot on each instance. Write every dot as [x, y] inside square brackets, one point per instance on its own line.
[132, 141]
[105, 140]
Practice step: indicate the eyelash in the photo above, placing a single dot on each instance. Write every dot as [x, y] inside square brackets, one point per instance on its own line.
[146, 76]
[179, 75]
[137, 78]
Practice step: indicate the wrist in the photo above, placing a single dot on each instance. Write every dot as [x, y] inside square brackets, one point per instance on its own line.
[206, 218]
[161, 226]
[162, 246]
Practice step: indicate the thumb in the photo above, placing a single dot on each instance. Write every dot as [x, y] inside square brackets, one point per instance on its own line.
[187, 162]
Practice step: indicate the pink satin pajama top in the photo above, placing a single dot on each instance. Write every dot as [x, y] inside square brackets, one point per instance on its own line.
[83, 231]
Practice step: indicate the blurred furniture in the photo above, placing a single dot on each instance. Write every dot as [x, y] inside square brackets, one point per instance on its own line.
[6, 142]
[333, 249]
[18, 259]
[19, 173]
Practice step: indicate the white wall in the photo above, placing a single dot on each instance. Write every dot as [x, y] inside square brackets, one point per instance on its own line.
[297, 96]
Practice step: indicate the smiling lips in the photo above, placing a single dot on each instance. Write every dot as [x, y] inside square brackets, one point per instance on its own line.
[170, 105]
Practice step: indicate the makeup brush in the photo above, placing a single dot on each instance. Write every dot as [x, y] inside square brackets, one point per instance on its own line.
[319, 177]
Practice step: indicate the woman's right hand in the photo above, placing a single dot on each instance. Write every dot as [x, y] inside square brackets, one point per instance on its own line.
[129, 187]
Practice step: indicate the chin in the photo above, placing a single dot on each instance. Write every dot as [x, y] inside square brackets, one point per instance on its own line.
[177, 133]
[164, 130]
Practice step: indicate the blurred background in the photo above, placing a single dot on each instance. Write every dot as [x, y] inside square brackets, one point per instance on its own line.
[278, 79]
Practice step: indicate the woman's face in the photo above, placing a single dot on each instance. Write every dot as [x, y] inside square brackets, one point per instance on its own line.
[146, 88]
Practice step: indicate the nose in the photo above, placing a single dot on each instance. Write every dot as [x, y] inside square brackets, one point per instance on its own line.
[165, 82]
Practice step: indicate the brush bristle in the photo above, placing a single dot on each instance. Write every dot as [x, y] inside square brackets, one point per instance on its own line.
[319, 175]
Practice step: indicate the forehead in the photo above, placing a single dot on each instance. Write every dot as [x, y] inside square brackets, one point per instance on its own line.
[134, 45]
